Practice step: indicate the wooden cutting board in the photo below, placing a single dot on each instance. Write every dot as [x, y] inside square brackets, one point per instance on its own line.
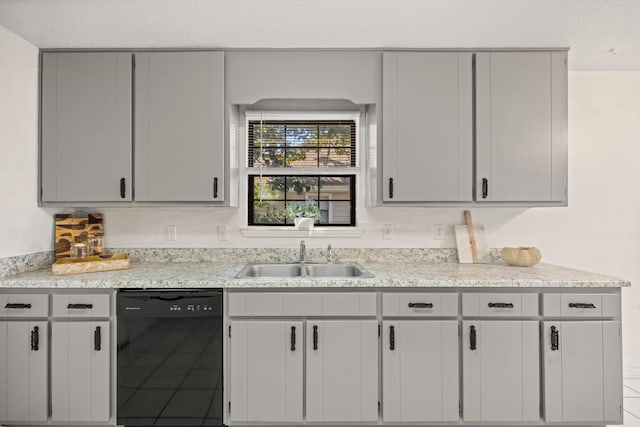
[471, 242]
[76, 228]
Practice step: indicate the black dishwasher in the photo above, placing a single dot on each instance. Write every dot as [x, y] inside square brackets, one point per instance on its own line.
[169, 357]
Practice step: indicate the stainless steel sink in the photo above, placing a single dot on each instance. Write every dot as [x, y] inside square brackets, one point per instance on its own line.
[270, 270]
[335, 270]
[302, 270]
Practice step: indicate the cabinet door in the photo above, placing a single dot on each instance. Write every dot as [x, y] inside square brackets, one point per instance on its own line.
[427, 127]
[420, 371]
[521, 126]
[266, 371]
[583, 372]
[501, 371]
[86, 127]
[179, 126]
[23, 371]
[80, 371]
[342, 371]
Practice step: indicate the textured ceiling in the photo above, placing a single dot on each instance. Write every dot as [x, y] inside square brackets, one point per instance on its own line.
[591, 28]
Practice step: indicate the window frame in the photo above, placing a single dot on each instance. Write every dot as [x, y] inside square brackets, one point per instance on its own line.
[355, 172]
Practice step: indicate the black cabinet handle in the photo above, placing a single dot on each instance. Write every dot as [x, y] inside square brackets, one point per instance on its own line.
[97, 339]
[420, 305]
[79, 306]
[215, 188]
[293, 338]
[501, 305]
[35, 338]
[123, 188]
[581, 305]
[485, 188]
[472, 337]
[17, 305]
[391, 188]
[555, 339]
[392, 338]
[315, 337]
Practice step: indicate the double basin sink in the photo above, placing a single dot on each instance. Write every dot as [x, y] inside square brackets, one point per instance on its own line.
[302, 270]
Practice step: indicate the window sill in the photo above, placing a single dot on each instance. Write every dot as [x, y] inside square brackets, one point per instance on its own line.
[275, 232]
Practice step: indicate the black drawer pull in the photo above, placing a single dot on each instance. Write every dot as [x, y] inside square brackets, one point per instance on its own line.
[97, 339]
[555, 339]
[391, 188]
[315, 337]
[485, 188]
[123, 188]
[17, 305]
[215, 188]
[35, 338]
[420, 305]
[293, 338]
[79, 306]
[581, 305]
[501, 305]
[472, 337]
[392, 338]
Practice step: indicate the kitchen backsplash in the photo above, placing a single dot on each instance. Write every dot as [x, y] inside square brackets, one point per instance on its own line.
[22, 263]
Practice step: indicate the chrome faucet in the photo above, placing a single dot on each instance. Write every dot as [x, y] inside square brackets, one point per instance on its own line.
[329, 254]
[303, 251]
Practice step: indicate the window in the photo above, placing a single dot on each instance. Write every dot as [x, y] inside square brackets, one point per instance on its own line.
[322, 153]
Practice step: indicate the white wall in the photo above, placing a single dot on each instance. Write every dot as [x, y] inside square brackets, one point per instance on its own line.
[24, 228]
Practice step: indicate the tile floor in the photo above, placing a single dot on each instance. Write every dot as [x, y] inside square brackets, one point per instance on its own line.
[631, 394]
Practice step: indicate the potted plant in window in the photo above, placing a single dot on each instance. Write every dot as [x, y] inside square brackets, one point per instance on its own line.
[304, 215]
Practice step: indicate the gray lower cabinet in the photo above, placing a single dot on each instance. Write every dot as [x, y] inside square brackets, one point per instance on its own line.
[582, 372]
[80, 378]
[24, 371]
[428, 126]
[86, 150]
[521, 126]
[179, 131]
[420, 381]
[266, 373]
[342, 371]
[501, 371]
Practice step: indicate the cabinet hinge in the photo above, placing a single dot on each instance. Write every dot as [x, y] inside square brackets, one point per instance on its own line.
[229, 331]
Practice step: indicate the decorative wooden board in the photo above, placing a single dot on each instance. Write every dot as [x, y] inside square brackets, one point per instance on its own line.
[71, 228]
[90, 264]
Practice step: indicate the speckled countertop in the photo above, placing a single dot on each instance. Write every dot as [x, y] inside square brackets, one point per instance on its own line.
[411, 274]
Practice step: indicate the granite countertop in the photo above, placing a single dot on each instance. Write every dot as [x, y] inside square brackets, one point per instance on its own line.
[403, 274]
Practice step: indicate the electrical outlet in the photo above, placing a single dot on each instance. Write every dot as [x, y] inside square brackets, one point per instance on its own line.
[438, 232]
[387, 231]
[171, 233]
[222, 232]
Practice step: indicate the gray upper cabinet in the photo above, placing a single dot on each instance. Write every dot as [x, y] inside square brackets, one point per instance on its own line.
[427, 129]
[582, 372]
[23, 371]
[179, 131]
[521, 126]
[86, 127]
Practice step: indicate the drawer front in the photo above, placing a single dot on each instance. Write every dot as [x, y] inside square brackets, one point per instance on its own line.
[81, 305]
[581, 305]
[420, 304]
[302, 304]
[24, 305]
[499, 305]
